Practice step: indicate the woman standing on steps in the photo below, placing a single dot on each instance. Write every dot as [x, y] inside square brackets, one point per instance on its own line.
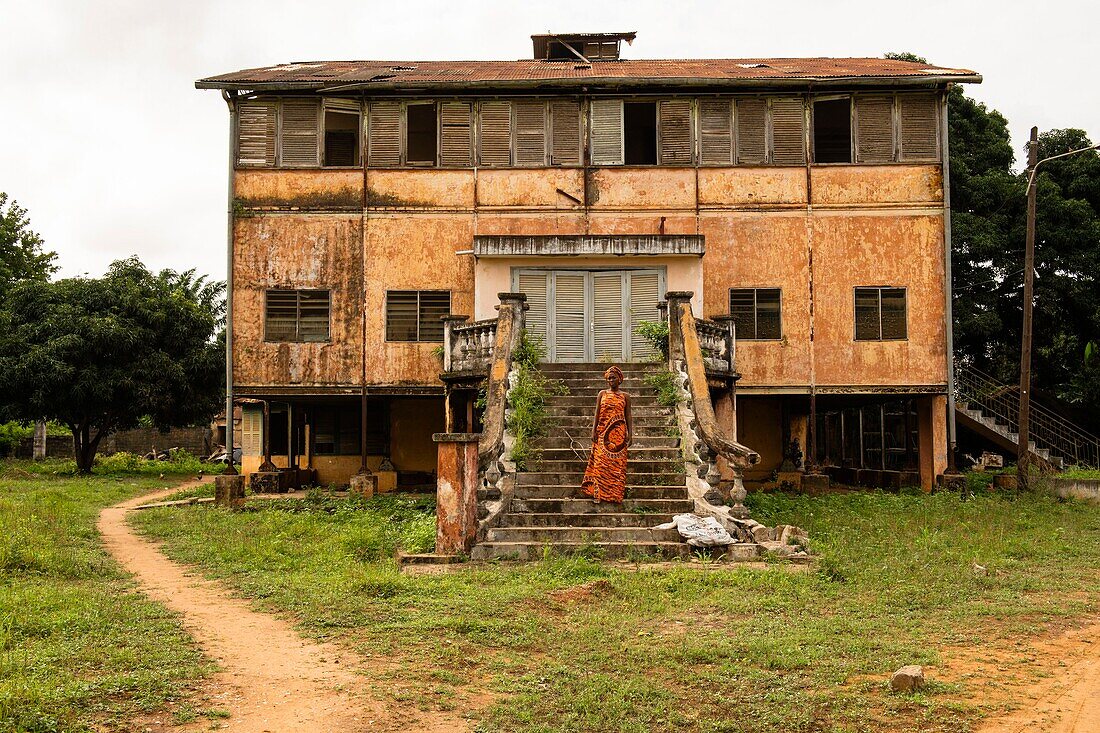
[605, 476]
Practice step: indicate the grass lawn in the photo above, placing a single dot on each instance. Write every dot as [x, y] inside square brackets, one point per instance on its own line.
[78, 646]
[573, 645]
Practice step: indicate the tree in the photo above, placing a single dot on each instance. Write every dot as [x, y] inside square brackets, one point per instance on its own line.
[21, 255]
[100, 354]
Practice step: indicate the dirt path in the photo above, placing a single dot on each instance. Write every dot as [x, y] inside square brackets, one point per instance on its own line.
[272, 680]
[1068, 701]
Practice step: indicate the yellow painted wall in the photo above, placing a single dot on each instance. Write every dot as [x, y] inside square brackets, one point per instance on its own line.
[759, 426]
[412, 423]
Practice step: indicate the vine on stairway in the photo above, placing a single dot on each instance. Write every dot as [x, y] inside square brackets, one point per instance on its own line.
[526, 416]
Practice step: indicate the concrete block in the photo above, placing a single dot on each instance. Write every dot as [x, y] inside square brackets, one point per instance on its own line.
[229, 491]
[364, 484]
[266, 482]
[814, 482]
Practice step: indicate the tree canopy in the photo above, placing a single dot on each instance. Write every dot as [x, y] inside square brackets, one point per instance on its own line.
[102, 354]
[21, 255]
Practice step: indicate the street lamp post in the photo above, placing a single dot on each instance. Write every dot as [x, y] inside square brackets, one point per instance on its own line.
[1023, 449]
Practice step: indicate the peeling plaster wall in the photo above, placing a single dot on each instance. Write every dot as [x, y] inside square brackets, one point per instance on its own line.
[869, 225]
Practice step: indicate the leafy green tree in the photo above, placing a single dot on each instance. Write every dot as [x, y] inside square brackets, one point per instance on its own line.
[21, 255]
[100, 354]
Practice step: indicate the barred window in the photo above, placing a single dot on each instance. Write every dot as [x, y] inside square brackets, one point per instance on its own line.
[756, 313]
[880, 314]
[296, 315]
[415, 315]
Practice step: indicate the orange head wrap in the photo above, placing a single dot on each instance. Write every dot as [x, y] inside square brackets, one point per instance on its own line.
[613, 370]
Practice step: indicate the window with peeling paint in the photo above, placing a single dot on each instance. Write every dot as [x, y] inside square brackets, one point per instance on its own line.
[756, 313]
[296, 315]
[880, 314]
[416, 315]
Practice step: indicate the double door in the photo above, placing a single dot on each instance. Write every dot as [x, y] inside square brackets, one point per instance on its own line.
[591, 315]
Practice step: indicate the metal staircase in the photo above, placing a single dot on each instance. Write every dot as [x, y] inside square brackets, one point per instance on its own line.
[992, 409]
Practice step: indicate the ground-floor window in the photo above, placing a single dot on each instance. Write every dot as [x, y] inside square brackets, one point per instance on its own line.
[883, 436]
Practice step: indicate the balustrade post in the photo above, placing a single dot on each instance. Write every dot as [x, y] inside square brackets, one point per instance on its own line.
[449, 322]
[730, 337]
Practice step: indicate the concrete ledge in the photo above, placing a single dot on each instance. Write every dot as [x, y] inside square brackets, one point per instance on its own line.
[572, 245]
[1074, 488]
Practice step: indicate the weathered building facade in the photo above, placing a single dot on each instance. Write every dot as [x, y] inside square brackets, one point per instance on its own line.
[804, 198]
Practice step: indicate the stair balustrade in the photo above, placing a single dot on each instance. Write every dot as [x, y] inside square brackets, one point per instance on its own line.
[1047, 430]
[468, 347]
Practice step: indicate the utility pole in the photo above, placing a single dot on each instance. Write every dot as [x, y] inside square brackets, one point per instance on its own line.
[1023, 451]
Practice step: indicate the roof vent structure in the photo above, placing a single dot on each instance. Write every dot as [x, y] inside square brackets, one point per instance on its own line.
[579, 46]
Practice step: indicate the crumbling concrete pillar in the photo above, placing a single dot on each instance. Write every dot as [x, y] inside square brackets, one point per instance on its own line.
[39, 449]
[932, 429]
[229, 491]
[456, 492]
[364, 485]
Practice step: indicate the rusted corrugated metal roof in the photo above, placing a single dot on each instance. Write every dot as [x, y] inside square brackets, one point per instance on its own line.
[633, 72]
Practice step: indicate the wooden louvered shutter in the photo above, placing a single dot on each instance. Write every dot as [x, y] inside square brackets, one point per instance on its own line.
[565, 133]
[607, 132]
[252, 424]
[569, 320]
[674, 136]
[788, 131]
[715, 132]
[256, 134]
[752, 130]
[645, 292]
[530, 133]
[299, 133]
[496, 134]
[455, 135]
[533, 285]
[918, 126]
[874, 129]
[384, 134]
[607, 316]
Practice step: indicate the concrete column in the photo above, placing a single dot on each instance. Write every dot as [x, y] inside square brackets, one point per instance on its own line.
[725, 414]
[39, 449]
[932, 427]
[229, 490]
[456, 492]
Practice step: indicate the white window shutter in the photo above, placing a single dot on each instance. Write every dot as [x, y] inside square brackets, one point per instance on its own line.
[569, 317]
[607, 316]
[788, 131]
[752, 130]
[256, 134]
[874, 129]
[495, 134]
[674, 136]
[607, 131]
[918, 124]
[534, 286]
[530, 126]
[645, 292]
[299, 133]
[715, 132]
[455, 135]
[565, 137]
[384, 138]
[252, 422]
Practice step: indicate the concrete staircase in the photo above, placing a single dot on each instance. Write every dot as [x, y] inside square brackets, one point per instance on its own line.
[1000, 433]
[548, 512]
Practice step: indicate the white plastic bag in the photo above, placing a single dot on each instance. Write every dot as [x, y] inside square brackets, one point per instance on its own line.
[699, 531]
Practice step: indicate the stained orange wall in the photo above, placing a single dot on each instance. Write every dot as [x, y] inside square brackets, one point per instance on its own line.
[867, 225]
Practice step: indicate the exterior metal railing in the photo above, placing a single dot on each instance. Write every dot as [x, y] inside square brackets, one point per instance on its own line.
[1047, 429]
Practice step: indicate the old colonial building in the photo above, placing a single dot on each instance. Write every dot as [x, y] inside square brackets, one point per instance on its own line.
[803, 198]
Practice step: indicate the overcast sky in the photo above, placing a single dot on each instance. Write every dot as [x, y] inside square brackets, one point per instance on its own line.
[105, 140]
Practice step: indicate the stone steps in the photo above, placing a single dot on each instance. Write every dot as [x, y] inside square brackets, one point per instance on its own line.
[557, 441]
[637, 401]
[568, 491]
[588, 408]
[585, 519]
[634, 466]
[558, 534]
[607, 550]
[636, 454]
[572, 506]
[573, 478]
[655, 425]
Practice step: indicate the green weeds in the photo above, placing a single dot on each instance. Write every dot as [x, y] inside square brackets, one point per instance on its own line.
[527, 400]
[668, 391]
[656, 333]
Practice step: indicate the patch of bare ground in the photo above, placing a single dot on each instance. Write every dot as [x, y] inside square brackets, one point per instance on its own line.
[1049, 684]
[272, 680]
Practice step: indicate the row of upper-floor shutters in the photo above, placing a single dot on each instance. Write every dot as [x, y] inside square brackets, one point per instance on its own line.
[781, 130]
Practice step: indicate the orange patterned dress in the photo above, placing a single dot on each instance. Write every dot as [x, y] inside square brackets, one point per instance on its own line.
[605, 476]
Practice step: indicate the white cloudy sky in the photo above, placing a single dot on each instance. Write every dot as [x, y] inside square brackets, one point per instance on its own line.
[104, 138]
